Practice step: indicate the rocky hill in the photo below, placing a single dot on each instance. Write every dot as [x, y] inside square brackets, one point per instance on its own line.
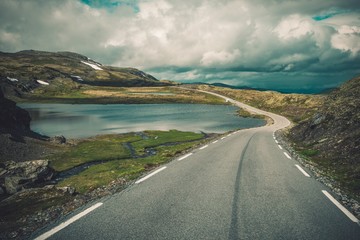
[331, 138]
[17, 141]
[23, 72]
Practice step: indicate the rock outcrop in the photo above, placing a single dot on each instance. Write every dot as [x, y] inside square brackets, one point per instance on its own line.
[17, 176]
[335, 128]
[12, 118]
[332, 136]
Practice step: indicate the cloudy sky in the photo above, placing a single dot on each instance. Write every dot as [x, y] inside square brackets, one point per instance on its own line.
[276, 44]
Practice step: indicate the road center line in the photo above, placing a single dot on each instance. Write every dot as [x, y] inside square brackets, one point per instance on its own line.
[215, 141]
[203, 147]
[150, 175]
[302, 170]
[280, 146]
[68, 222]
[185, 156]
[287, 155]
[344, 210]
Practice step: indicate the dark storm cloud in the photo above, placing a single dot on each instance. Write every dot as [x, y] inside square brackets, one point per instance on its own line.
[232, 41]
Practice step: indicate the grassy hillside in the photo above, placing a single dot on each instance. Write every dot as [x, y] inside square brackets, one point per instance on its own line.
[67, 77]
[331, 137]
[296, 107]
[23, 72]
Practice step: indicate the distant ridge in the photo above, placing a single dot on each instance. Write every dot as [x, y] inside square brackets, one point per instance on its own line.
[300, 91]
[24, 71]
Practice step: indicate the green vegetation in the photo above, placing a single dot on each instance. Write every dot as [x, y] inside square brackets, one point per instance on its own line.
[245, 114]
[67, 91]
[103, 148]
[156, 138]
[309, 152]
[103, 174]
[119, 162]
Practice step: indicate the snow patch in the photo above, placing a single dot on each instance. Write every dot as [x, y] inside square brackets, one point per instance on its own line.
[78, 78]
[12, 79]
[94, 66]
[42, 82]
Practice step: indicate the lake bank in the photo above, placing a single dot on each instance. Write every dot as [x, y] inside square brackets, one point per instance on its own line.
[77, 121]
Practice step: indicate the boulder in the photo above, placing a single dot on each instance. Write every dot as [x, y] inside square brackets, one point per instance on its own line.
[27, 174]
[13, 184]
[12, 117]
[67, 189]
[58, 139]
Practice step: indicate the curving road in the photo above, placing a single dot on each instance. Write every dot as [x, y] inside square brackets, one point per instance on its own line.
[241, 186]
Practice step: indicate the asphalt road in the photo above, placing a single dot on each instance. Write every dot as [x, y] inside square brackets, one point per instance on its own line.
[242, 186]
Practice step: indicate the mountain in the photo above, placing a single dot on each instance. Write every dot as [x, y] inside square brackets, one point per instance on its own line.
[332, 135]
[24, 71]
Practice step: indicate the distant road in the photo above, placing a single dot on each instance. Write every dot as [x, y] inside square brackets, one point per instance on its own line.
[241, 186]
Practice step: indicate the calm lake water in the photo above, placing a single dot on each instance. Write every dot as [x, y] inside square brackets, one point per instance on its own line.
[84, 120]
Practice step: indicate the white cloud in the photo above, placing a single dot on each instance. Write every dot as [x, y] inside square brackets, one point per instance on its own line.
[248, 35]
[346, 42]
[219, 58]
[294, 26]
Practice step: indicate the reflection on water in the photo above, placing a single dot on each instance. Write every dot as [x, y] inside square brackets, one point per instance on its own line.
[84, 120]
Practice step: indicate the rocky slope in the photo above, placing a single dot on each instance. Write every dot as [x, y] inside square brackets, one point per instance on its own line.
[17, 141]
[22, 72]
[12, 118]
[331, 138]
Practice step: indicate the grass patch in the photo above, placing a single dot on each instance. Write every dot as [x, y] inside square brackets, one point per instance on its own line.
[108, 147]
[156, 138]
[309, 152]
[65, 90]
[246, 114]
[103, 174]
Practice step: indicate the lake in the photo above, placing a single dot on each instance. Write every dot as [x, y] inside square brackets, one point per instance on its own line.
[84, 120]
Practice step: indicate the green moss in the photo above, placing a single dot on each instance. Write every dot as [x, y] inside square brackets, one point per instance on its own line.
[104, 148]
[167, 145]
[156, 138]
[309, 152]
[103, 174]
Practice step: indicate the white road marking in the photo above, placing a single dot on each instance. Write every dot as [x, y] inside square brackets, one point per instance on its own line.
[287, 155]
[223, 137]
[280, 146]
[203, 147]
[276, 141]
[68, 222]
[215, 141]
[302, 170]
[229, 135]
[185, 156]
[274, 138]
[344, 210]
[150, 175]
